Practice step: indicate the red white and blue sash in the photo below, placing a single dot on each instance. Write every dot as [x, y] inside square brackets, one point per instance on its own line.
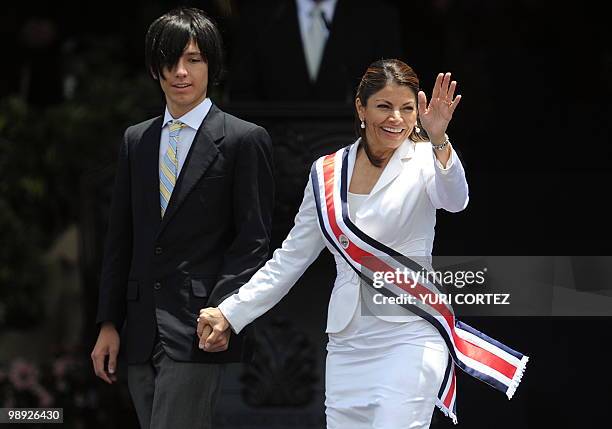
[475, 353]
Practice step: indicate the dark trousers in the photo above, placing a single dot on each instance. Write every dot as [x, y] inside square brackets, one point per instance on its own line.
[169, 394]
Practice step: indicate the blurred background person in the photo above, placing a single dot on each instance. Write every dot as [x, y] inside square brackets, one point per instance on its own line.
[325, 48]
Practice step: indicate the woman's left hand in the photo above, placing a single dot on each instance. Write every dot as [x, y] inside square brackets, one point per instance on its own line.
[436, 116]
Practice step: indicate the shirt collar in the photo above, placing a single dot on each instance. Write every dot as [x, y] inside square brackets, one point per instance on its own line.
[405, 150]
[193, 118]
[328, 6]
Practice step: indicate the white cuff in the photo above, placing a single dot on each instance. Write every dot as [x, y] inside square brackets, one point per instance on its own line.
[227, 307]
[449, 163]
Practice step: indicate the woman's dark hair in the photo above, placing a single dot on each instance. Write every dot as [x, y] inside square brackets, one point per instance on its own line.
[378, 75]
[169, 35]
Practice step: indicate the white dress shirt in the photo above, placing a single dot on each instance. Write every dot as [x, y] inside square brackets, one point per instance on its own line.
[355, 201]
[399, 212]
[193, 119]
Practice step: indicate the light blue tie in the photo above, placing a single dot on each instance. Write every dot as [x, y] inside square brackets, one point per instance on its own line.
[168, 169]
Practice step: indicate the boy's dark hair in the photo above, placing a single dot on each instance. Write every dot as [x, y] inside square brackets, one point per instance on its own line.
[169, 34]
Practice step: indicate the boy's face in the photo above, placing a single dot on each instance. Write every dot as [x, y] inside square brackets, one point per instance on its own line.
[186, 83]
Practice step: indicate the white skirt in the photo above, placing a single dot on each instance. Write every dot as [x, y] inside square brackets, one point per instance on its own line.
[383, 375]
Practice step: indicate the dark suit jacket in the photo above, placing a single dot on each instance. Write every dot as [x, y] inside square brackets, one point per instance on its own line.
[268, 60]
[213, 238]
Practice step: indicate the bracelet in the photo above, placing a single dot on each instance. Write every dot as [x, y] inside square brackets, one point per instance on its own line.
[442, 146]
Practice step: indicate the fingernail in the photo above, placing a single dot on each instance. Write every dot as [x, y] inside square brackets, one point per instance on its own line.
[111, 370]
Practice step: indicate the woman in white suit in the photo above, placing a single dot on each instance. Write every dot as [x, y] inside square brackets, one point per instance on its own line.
[384, 371]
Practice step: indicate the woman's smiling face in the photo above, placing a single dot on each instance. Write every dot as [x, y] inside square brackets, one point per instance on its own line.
[390, 115]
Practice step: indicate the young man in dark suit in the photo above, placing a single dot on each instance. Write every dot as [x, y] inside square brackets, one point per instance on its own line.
[189, 224]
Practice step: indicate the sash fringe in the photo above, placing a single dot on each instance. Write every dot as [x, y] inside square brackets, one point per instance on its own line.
[518, 376]
[448, 413]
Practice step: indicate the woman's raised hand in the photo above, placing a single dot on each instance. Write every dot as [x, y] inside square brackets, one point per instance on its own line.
[436, 116]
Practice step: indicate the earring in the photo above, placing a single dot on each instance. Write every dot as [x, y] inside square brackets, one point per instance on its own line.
[362, 124]
[417, 129]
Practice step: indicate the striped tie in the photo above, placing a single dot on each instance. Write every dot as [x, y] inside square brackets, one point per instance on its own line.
[168, 169]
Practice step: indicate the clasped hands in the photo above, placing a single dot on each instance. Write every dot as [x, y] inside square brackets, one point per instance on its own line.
[213, 330]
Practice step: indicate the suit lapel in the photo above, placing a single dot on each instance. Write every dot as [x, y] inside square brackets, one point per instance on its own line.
[287, 25]
[331, 55]
[150, 157]
[352, 156]
[394, 166]
[202, 153]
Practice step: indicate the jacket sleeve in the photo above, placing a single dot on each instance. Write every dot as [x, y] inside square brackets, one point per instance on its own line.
[272, 282]
[253, 203]
[118, 246]
[447, 187]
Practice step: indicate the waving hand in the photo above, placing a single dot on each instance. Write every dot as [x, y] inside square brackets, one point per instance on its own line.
[436, 116]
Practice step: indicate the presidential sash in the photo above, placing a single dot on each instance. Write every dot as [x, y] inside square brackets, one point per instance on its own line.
[475, 353]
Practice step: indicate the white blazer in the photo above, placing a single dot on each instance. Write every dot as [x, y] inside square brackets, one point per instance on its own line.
[400, 212]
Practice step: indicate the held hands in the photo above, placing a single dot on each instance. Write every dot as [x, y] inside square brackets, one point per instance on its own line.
[436, 116]
[213, 330]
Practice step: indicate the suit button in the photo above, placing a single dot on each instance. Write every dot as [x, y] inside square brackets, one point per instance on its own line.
[158, 250]
[157, 286]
